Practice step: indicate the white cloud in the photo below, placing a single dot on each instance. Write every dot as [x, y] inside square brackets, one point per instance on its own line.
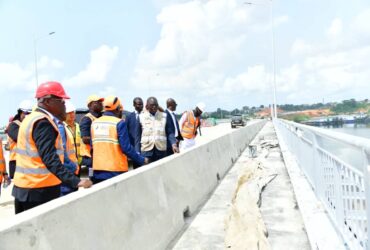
[300, 48]
[255, 80]
[46, 63]
[360, 23]
[335, 28]
[96, 71]
[280, 20]
[199, 41]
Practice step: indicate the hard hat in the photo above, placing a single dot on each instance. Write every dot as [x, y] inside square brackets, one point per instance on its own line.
[69, 106]
[25, 106]
[201, 106]
[93, 98]
[51, 88]
[112, 103]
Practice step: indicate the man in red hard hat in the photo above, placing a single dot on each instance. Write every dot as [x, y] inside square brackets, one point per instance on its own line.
[40, 154]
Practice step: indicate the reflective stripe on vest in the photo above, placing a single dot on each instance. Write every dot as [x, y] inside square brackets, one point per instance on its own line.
[107, 153]
[190, 126]
[31, 172]
[13, 144]
[71, 147]
[85, 149]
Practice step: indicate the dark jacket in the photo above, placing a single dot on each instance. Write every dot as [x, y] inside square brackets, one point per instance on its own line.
[44, 136]
[174, 126]
[132, 124]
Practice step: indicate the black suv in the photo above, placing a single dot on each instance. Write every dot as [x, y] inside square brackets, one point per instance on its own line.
[237, 120]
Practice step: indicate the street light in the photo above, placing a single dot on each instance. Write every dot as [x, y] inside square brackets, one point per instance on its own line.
[35, 40]
[274, 106]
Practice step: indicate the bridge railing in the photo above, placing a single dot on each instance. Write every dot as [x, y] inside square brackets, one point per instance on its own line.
[337, 167]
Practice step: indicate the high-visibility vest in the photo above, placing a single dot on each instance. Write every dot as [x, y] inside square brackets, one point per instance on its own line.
[13, 144]
[31, 171]
[153, 131]
[77, 139]
[85, 149]
[107, 153]
[190, 125]
[71, 148]
[2, 162]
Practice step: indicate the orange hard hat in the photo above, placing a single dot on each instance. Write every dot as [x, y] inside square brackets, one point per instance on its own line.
[112, 103]
[51, 88]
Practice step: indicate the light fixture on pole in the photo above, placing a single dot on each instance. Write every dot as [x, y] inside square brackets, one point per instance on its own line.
[35, 40]
[273, 106]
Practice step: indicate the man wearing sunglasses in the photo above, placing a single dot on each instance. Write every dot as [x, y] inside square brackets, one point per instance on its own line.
[40, 154]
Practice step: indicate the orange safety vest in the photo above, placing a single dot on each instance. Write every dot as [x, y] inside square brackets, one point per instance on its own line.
[13, 144]
[85, 149]
[30, 171]
[107, 153]
[190, 126]
[2, 162]
[71, 148]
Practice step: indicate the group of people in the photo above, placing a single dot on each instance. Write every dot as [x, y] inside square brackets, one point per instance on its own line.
[48, 147]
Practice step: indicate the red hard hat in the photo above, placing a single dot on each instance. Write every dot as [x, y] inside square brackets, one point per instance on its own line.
[51, 88]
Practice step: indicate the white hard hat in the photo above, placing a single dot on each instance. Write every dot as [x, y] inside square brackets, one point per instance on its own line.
[69, 106]
[26, 105]
[201, 106]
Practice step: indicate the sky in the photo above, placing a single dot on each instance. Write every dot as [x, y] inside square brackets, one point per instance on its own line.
[219, 52]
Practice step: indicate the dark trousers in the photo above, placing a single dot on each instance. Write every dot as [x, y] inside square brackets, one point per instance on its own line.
[154, 154]
[12, 165]
[20, 206]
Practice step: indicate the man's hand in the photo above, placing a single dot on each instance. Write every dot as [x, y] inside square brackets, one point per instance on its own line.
[175, 149]
[146, 161]
[85, 183]
[86, 139]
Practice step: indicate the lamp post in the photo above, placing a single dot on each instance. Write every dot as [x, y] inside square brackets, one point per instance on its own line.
[35, 40]
[273, 106]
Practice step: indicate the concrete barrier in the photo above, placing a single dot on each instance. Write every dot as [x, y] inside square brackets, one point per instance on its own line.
[142, 209]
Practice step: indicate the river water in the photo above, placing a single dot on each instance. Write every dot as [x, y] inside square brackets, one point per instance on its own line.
[349, 155]
[361, 130]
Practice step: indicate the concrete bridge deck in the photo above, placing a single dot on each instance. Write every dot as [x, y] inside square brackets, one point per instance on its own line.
[253, 207]
[276, 209]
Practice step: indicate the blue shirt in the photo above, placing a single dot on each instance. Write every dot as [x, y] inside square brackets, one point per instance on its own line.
[71, 166]
[126, 148]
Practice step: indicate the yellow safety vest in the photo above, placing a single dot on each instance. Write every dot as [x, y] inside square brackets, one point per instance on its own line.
[107, 153]
[77, 140]
[71, 147]
[85, 149]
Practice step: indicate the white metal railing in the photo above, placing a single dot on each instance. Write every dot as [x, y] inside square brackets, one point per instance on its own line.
[337, 167]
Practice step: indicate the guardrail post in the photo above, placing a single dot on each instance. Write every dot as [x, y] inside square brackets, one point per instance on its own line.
[367, 192]
[339, 208]
[318, 171]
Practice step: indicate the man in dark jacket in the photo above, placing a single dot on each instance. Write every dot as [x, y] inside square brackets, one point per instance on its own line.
[171, 119]
[132, 121]
[40, 169]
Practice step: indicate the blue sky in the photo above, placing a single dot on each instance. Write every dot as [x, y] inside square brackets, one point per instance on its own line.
[217, 51]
